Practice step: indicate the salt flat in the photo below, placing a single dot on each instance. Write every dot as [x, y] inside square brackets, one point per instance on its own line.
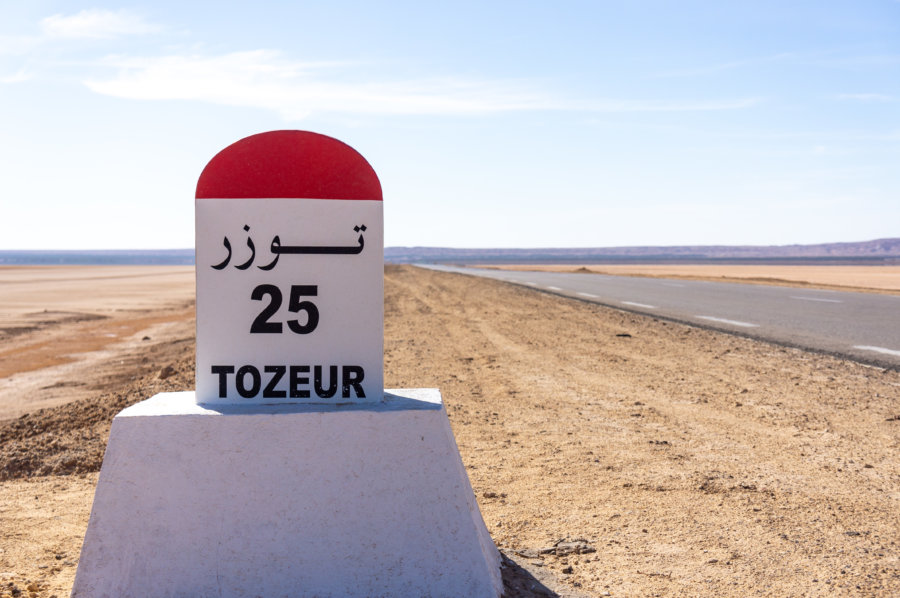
[59, 321]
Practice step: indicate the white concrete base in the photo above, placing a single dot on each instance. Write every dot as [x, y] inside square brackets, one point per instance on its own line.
[285, 500]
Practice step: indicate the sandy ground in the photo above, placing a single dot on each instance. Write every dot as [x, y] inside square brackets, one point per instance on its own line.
[57, 322]
[611, 453]
[857, 278]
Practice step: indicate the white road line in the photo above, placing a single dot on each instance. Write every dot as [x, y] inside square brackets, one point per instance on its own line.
[554, 288]
[589, 296]
[534, 284]
[816, 299]
[644, 305]
[878, 350]
[732, 322]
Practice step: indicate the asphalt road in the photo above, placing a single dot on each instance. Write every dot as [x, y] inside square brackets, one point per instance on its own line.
[862, 326]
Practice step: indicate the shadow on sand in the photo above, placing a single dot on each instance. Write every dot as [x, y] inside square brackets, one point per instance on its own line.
[519, 583]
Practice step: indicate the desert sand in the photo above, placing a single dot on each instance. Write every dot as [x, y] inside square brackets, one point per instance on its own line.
[610, 453]
[855, 278]
[59, 322]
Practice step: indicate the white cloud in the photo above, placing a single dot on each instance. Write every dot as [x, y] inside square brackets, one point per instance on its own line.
[668, 106]
[91, 24]
[265, 79]
[17, 77]
[12, 45]
[724, 66]
[96, 23]
[866, 97]
[704, 70]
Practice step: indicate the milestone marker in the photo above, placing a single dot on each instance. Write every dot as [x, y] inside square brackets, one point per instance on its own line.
[290, 471]
[290, 253]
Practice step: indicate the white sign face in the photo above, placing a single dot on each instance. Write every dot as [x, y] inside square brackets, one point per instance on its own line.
[290, 301]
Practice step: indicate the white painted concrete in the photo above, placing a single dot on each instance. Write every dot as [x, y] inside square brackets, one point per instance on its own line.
[285, 500]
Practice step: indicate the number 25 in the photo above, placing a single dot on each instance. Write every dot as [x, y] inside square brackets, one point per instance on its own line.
[261, 323]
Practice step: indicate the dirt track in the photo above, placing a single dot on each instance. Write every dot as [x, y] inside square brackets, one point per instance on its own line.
[609, 452]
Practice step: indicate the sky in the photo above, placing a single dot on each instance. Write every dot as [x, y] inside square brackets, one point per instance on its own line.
[490, 124]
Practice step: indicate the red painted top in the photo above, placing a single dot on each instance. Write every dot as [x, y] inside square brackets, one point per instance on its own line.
[295, 164]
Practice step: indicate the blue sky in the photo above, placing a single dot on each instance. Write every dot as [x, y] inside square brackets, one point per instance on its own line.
[505, 124]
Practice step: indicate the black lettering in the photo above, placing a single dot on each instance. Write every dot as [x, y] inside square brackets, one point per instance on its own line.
[296, 306]
[248, 381]
[261, 323]
[240, 378]
[332, 381]
[297, 381]
[352, 375]
[270, 392]
[223, 371]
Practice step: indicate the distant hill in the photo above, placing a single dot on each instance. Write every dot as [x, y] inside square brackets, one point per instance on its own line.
[879, 251]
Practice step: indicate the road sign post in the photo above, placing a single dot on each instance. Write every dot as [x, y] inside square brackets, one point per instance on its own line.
[290, 471]
[290, 257]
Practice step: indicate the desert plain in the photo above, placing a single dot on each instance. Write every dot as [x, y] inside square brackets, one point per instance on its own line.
[872, 279]
[611, 454]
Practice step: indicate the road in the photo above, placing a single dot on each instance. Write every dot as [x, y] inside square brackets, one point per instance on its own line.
[862, 326]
